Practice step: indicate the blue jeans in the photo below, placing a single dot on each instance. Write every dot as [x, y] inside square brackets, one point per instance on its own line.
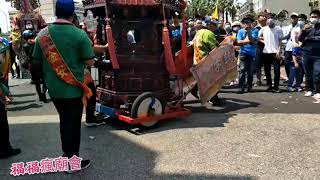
[295, 74]
[246, 69]
[312, 71]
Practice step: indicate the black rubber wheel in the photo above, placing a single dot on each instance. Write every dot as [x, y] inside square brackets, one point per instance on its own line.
[149, 104]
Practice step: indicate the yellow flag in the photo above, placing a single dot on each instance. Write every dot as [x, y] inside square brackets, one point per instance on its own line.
[215, 14]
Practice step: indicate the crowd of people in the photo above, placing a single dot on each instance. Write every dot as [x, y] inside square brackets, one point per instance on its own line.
[259, 45]
[62, 52]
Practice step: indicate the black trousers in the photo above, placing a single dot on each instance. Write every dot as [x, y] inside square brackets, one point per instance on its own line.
[269, 60]
[91, 107]
[70, 113]
[287, 62]
[4, 129]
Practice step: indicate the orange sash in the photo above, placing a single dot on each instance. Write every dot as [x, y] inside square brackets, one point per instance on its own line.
[59, 66]
[87, 77]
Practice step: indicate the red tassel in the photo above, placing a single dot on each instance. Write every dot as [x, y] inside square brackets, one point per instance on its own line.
[184, 39]
[112, 48]
[168, 52]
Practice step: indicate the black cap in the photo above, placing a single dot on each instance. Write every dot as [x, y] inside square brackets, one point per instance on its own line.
[303, 16]
[247, 19]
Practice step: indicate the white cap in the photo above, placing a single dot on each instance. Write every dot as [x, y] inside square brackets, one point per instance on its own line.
[236, 23]
[294, 14]
[199, 22]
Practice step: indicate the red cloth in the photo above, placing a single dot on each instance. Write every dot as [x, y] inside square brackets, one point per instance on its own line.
[112, 48]
[168, 52]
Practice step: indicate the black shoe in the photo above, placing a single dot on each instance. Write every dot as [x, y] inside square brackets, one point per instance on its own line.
[9, 153]
[43, 98]
[270, 89]
[84, 165]
[94, 122]
[215, 101]
[277, 90]
[250, 90]
[241, 91]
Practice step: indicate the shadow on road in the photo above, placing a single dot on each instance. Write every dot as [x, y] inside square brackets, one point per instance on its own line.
[228, 105]
[113, 156]
[21, 102]
[22, 108]
[24, 95]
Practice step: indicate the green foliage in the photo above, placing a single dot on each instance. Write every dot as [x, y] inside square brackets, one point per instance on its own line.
[206, 7]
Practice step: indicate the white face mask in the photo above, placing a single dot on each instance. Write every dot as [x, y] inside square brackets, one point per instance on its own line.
[314, 20]
[272, 23]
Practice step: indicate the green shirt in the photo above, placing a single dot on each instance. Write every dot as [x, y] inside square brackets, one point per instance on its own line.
[204, 42]
[76, 48]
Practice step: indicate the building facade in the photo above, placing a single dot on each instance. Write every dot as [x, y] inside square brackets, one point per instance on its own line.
[246, 8]
[275, 6]
[314, 4]
[47, 10]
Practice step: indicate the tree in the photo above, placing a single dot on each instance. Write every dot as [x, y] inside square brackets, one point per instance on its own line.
[200, 7]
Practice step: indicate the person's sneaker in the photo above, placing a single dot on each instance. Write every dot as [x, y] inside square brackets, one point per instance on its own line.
[250, 90]
[316, 96]
[299, 89]
[308, 94]
[95, 122]
[291, 89]
[277, 90]
[84, 165]
[9, 153]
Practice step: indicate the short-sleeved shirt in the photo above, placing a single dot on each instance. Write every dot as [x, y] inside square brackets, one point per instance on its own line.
[204, 42]
[175, 35]
[272, 38]
[75, 47]
[287, 33]
[248, 49]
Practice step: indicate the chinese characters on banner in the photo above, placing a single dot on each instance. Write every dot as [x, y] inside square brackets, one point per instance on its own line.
[47, 165]
[214, 71]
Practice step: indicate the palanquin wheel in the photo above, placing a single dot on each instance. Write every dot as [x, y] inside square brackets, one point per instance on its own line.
[146, 105]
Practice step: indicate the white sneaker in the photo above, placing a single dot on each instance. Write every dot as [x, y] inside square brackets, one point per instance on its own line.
[316, 96]
[308, 94]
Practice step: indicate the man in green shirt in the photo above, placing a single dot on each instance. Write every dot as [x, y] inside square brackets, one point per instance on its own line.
[76, 50]
[204, 42]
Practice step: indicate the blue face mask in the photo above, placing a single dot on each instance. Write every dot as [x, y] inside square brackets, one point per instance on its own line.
[301, 24]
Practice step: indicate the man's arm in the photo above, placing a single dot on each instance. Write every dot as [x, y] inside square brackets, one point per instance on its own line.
[303, 35]
[100, 49]
[294, 36]
[86, 50]
[241, 39]
[37, 52]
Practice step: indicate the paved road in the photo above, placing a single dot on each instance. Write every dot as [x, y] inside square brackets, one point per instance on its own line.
[251, 136]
